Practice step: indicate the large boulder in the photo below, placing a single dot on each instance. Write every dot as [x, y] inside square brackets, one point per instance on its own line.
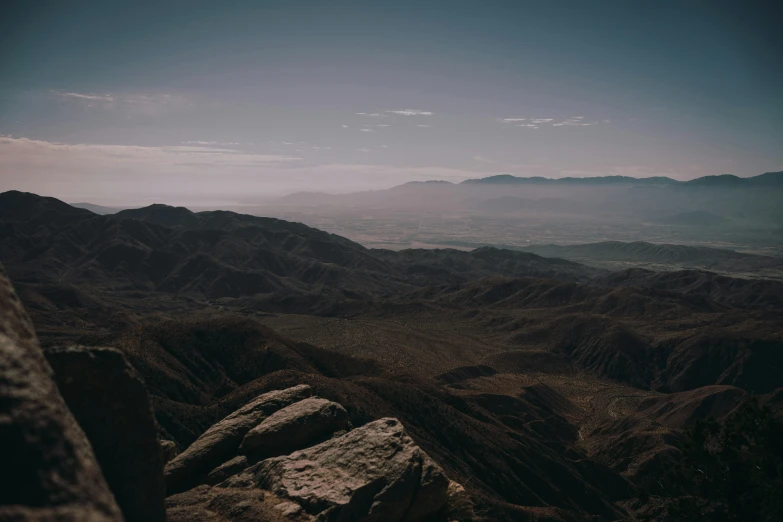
[221, 441]
[297, 426]
[111, 404]
[48, 470]
[374, 473]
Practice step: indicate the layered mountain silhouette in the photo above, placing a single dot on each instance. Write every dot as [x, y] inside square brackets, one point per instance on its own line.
[725, 180]
[550, 386]
[707, 201]
[224, 254]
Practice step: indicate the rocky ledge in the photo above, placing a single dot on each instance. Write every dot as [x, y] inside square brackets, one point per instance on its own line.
[82, 444]
[323, 470]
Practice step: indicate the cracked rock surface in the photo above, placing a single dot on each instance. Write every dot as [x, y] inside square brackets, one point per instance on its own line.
[375, 472]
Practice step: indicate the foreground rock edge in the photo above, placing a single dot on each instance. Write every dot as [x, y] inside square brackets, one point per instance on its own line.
[49, 469]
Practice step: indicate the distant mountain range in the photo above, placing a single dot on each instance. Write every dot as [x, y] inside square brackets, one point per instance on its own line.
[722, 180]
[768, 179]
[707, 201]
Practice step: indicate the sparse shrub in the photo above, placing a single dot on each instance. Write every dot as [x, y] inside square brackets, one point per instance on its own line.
[731, 471]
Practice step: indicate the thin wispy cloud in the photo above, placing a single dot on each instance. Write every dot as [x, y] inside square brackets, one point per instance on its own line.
[410, 112]
[188, 173]
[212, 143]
[299, 146]
[366, 130]
[81, 96]
[372, 148]
[424, 125]
[372, 114]
[576, 121]
[531, 122]
[166, 154]
[128, 104]
[535, 123]
[28, 164]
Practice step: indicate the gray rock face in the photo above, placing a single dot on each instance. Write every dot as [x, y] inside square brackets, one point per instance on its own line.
[48, 469]
[221, 441]
[297, 426]
[374, 473]
[109, 401]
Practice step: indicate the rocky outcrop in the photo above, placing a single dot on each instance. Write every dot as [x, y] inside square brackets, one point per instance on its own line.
[48, 470]
[68, 452]
[297, 426]
[109, 401]
[169, 450]
[458, 507]
[221, 442]
[373, 473]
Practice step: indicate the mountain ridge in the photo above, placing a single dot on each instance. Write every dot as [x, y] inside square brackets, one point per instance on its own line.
[218, 254]
[768, 178]
[771, 178]
[621, 201]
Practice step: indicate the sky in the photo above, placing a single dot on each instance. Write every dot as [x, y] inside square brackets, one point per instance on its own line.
[232, 102]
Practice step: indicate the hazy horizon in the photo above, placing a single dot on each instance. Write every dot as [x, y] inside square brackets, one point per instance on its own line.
[199, 104]
[270, 201]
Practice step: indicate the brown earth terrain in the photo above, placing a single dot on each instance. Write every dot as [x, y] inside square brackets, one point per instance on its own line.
[549, 389]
